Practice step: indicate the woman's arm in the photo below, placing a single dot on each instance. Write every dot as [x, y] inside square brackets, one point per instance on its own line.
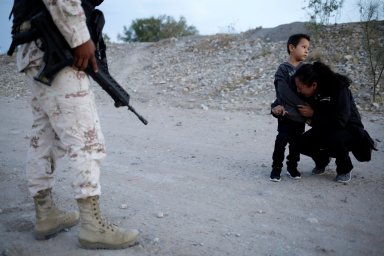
[342, 102]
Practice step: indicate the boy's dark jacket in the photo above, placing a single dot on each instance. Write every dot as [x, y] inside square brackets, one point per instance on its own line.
[286, 92]
[336, 109]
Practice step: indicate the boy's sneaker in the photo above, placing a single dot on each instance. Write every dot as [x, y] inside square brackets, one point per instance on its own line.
[318, 171]
[344, 178]
[275, 175]
[294, 174]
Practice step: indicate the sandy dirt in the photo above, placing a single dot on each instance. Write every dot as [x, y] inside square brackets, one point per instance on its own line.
[196, 182]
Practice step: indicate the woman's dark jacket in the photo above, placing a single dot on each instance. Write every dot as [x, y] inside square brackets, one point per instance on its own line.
[335, 109]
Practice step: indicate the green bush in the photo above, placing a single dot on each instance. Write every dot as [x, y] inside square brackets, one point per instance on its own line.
[154, 29]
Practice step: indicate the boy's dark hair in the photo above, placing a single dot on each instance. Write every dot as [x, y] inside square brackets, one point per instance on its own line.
[295, 40]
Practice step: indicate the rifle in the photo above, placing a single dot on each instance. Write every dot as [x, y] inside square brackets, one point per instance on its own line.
[58, 54]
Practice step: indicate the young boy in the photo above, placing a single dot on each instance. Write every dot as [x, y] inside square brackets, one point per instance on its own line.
[290, 123]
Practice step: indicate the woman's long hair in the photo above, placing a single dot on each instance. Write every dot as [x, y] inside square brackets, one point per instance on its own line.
[326, 79]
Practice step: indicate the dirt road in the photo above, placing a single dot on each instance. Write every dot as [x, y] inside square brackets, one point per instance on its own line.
[195, 182]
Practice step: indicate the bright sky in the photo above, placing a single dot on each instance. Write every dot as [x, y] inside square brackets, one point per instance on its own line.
[208, 16]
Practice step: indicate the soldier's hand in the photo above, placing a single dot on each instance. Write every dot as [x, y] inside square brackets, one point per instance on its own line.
[84, 55]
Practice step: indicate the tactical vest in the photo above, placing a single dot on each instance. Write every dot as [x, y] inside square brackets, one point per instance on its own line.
[24, 10]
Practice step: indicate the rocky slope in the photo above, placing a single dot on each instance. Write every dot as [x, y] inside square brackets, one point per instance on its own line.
[223, 71]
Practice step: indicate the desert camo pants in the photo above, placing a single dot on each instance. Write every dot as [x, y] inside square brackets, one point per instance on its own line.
[65, 123]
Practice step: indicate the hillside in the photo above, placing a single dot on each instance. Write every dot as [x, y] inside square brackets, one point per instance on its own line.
[236, 71]
[224, 71]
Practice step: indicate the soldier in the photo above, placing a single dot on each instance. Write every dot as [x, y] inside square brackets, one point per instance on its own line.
[66, 122]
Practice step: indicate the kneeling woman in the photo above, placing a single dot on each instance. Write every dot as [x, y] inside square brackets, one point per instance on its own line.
[332, 113]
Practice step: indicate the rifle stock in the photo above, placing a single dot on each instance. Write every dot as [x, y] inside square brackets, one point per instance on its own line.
[58, 54]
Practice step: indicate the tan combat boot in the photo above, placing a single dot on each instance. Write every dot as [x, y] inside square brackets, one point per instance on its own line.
[97, 233]
[49, 219]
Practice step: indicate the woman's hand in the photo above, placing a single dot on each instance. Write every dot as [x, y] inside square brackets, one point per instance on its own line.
[305, 110]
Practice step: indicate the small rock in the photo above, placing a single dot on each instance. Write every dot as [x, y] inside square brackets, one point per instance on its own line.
[204, 107]
[312, 220]
[124, 206]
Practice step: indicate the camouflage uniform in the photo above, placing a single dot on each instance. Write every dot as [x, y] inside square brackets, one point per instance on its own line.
[65, 119]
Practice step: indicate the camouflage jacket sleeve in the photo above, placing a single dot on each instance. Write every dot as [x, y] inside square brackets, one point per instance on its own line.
[70, 19]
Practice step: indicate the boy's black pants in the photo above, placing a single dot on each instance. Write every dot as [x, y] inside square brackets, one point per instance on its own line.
[288, 132]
